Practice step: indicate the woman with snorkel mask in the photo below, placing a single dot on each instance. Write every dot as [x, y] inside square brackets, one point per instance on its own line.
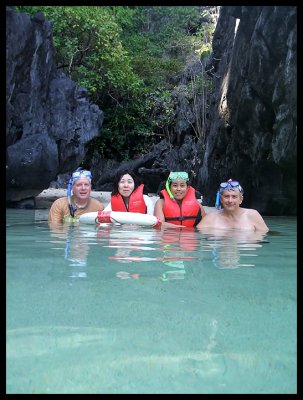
[78, 200]
[178, 205]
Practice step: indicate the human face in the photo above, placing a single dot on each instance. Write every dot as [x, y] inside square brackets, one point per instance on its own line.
[82, 188]
[179, 188]
[126, 185]
[231, 199]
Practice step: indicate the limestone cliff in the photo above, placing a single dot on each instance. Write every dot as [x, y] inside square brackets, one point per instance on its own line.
[49, 118]
[253, 131]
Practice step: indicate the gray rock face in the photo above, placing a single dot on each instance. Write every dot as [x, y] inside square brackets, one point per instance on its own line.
[253, 133]
[153, 168]
[49, 118]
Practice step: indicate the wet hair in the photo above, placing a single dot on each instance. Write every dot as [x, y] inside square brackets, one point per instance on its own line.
[233, 189]
[118, 177]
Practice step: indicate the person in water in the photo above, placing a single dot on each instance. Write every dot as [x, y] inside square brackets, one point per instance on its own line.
[178, 205]
[127, 194]
[78, 200]
[232, 216]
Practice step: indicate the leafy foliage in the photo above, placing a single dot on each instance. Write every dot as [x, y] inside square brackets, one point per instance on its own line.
[130, 59]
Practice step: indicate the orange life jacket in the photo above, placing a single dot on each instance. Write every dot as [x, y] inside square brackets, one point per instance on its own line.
[187, 214]
[136, 202]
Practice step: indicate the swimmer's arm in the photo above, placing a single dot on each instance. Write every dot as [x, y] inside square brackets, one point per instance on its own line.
[203, 212]
[259, 222]
[158, 212]
[56, 213]
[206, 221]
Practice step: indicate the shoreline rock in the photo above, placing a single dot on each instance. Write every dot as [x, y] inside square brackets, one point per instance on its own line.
[48, 196]
[45, 199]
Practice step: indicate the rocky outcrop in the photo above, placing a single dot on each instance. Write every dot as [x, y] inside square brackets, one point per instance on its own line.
[251, 124]
[153, 168]
[253, 132]
[49, 119]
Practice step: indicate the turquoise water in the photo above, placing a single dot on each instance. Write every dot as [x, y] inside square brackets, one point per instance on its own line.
[124, 309]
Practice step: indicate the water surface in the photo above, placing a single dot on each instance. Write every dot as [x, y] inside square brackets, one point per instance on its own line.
[124, 309]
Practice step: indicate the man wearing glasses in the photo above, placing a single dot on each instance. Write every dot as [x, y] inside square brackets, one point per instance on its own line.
[232, 216]
[78, 200]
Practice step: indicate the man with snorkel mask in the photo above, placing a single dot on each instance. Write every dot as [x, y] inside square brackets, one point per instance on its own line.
[178, 206]
[78, 200]
[232, 216]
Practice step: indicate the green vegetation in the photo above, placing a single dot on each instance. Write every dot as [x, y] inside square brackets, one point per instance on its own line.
[131, 58]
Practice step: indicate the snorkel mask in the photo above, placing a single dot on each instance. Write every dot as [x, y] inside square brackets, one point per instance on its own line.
[228, 185]
[79, 173]
[172, 177]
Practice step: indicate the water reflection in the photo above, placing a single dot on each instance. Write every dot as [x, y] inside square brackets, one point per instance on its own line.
[137, 325]
[182, 240]
[231, 248]
[132, 243]
[172, 248]
[76, 247]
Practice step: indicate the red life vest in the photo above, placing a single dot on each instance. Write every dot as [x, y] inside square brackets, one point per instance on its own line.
[136, 202]
[187, 214]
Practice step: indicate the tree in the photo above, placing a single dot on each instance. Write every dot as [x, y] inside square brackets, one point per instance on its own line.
[130, 58]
